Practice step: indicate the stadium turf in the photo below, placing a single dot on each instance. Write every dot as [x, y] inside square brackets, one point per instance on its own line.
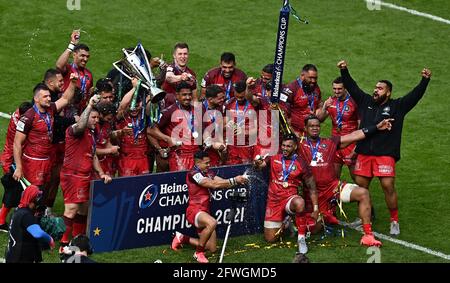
[383, 44]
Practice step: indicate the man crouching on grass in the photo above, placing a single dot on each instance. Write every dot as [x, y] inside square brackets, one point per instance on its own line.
[200, 180]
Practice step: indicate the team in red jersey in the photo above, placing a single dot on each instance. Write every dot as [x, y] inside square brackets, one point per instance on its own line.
[240, 127]
[200, 181]
[180, 129]
[80, 161]
[85, 79]
[177, 72]
[214, 109]
[287, 173]
[343, 112]
[13, 190]
[224, 76]
[304, 97]
[34, 133]
[319, 153]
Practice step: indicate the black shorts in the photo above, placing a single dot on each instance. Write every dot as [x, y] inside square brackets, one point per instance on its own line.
[13, 191]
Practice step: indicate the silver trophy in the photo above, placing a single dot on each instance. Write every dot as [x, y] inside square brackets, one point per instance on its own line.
[136, 64]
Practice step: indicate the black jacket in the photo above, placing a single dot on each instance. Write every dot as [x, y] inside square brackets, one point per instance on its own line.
[383, 143]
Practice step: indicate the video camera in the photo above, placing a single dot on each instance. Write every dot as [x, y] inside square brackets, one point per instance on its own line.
[238, 196]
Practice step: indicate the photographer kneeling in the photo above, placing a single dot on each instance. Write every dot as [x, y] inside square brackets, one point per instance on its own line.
[200, 180]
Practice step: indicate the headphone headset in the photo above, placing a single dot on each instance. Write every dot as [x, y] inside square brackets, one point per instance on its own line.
[82, 242]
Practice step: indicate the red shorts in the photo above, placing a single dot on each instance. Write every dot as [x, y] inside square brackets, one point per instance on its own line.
[325, 194]
[370, 166]
[180, 162]
[276, 209]
[133, 167]
[75, 188]
[36, 170]
[191, 213]
[239, 154]
[58, 154]
[346, 155]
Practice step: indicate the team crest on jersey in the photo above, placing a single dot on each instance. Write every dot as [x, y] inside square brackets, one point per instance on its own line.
[347, 108]
[386, 111]
[323, 145]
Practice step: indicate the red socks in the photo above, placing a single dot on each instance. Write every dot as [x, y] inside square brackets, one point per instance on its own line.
[79, 225]
[69, 224]
[300, 222]
[367, 229]
[185, 239]
[200, 249]
[3, 214]
[394, 214]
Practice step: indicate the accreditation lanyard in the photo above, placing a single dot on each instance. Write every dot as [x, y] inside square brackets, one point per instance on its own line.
[287, 172]
[314, 149]
[340, 113]
[190, 118]
[46, 117]
[83, 79]
[239, 118]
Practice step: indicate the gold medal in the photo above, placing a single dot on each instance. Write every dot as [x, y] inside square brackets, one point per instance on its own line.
[285, 185]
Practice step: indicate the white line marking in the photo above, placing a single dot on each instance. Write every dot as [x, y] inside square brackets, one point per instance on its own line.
[5, 115]
[411, 11]
[400, 242]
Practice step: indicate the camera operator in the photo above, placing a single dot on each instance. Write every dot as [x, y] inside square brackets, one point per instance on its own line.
[25, 234]
[200, 180]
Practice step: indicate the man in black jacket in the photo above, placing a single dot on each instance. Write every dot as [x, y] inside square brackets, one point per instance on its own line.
[378, 154]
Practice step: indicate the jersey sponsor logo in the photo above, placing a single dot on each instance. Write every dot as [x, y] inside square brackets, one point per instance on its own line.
[148, 196]
[283, 97]
[386, 111]
[198, 177]
[20, 126]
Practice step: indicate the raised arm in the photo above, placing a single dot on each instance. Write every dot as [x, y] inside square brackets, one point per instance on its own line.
[357, 94]
[64, 57]
[67, 96]
[322, 112]
[126, 100]
[80, 126]
[412, 98]
[249, 94]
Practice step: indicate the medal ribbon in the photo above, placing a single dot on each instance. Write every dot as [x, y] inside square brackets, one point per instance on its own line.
[190, 118]
[340, 113]
[287, 172]
[239, 118]
[46, 119]
[314, 149]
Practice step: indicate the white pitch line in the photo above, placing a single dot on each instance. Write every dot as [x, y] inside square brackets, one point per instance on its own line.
[377, 3]
[401, 242]
[5, 115]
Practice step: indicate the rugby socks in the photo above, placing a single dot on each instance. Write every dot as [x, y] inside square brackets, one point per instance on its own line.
[200, 249]
[3, 214]
[79, 225]
[394, 214]
[185, 239]
[300, 222]
[69, 225]
[367, 228]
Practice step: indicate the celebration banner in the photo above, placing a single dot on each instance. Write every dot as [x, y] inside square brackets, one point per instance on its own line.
[142, 211]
